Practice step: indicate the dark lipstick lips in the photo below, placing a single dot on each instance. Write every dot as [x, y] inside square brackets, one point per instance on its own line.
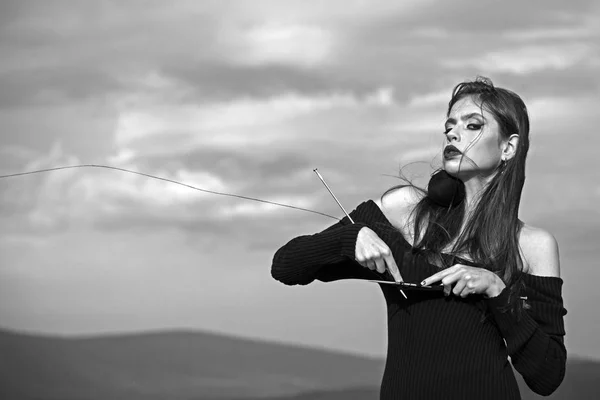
[451, 151]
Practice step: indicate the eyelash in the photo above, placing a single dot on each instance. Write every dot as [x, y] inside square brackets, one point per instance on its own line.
[478, 127]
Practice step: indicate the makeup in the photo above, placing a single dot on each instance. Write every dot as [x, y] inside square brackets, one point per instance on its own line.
[451, 151]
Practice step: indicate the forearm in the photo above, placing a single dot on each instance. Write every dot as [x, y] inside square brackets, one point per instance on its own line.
[538, 355]
[299, 261]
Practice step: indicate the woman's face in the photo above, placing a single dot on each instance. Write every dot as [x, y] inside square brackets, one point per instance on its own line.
[476, 136]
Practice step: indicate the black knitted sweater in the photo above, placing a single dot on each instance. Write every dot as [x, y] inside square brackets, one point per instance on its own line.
[440, 347]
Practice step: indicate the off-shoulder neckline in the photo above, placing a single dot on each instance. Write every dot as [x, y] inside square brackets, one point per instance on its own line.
[406, 244]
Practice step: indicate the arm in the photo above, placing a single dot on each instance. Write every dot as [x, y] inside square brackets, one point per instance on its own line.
[327, 256]
[302, 259]
[535, 342]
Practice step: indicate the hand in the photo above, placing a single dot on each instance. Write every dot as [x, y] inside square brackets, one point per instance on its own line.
[372, 252]
[467, 280]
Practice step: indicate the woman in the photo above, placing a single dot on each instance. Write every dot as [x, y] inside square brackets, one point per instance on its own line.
[501, 277]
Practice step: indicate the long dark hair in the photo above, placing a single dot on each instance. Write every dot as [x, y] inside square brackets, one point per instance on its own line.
[490, 237]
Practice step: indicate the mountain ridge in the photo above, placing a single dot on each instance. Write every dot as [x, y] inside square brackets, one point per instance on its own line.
[193, 365]
[181, 332]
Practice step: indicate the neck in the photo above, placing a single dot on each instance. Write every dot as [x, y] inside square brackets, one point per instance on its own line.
[474, 186]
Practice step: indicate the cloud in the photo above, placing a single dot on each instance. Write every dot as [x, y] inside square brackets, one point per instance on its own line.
[250, 209]
[85, 198]
[419, 154]
[282, 44]
[585, 26]
[489, 17]
[527, 59]
[334, 12]
[556, 115]
[435, 99]
[63, 54]
[14, 154]
[228, 124]
[579, 32]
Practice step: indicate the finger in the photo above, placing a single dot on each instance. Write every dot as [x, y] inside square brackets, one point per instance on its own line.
[454, 277]
[380, 264]
[389, 261]
[360, 258]
[470, 286]
[459, 287]
[379, 250]
[467, 291]
[433, 278]
[365, 258]
[371, 265]
[447, 290]
[439, 275]
[450, 280]
[393, 268]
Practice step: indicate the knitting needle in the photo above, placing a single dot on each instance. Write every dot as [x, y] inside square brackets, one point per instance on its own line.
[342, 207]
[335, 198]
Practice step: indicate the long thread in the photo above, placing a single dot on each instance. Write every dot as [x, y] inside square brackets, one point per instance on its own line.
[166, 180]
[170, 181]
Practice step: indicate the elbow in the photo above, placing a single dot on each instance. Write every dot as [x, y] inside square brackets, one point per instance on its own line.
[547, 389]
[279, 275]
[278, 268]
[284, 271]
[553, 386]
[287, 278]
[548, 383]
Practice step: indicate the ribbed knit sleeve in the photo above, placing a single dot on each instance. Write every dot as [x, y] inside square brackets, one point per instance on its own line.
[535, 341]
[326, 256]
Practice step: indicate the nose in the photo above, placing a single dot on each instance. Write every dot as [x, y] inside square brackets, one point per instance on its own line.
[452, 135]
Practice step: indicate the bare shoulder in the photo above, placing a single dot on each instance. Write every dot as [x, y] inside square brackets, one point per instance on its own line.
[397, 204]
[540, 251]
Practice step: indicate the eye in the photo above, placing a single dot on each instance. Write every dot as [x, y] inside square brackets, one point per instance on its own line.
[474, 127]
[447, 130]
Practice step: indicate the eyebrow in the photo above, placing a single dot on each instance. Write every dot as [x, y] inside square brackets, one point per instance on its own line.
[465, 117]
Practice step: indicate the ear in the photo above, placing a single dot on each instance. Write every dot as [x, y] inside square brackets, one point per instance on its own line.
[509, 147]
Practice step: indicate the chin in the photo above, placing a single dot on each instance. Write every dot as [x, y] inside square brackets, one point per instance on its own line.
[452, 167]
[455, 174]
[461, 170]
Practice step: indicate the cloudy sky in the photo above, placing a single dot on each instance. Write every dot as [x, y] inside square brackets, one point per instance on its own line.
[248, 97]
